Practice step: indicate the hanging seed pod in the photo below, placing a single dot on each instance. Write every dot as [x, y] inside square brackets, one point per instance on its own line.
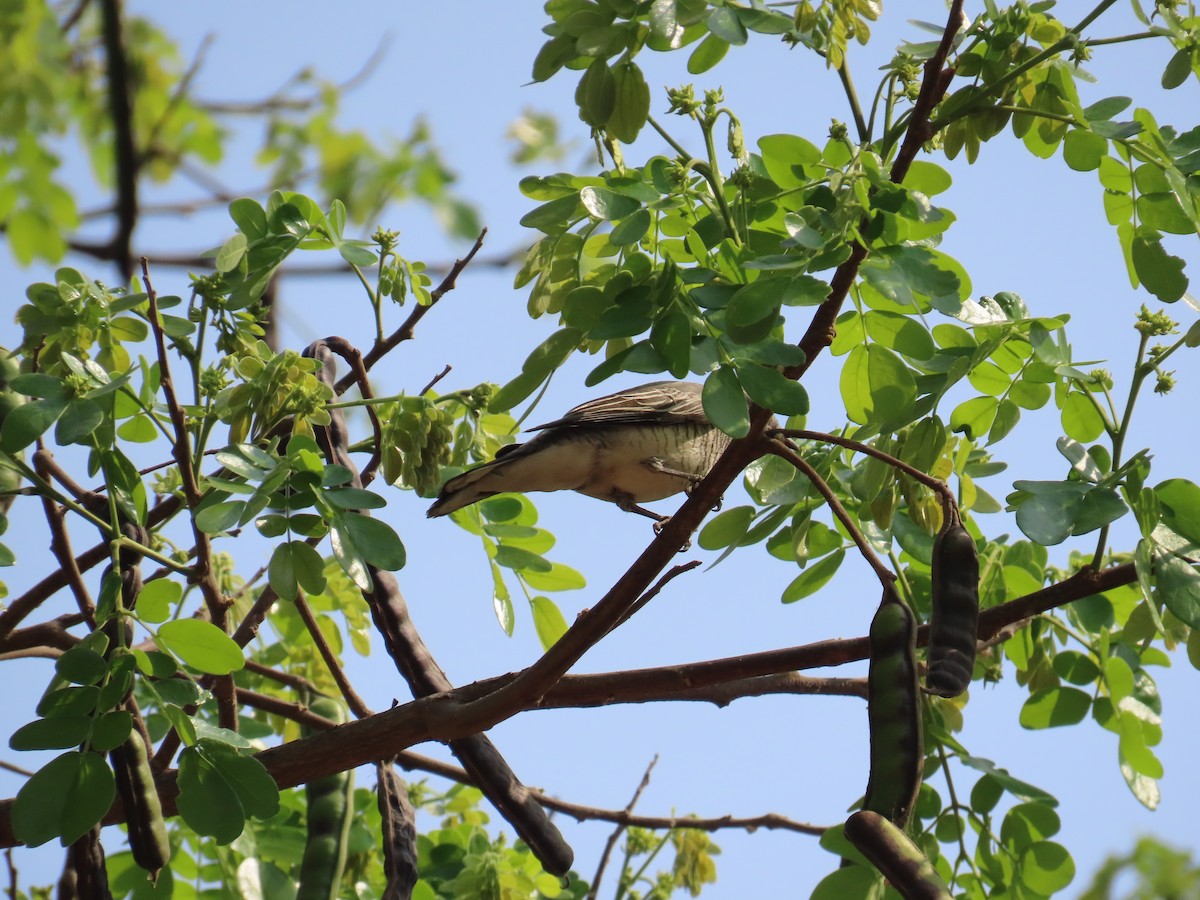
[894, 854]
[954, 623]
[330, 802]
[894, 712]
[143, 810]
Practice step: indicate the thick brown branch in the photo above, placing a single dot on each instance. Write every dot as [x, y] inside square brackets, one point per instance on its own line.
[124, 153]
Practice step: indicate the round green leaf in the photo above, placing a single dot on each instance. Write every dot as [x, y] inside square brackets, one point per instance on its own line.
[1055, 706]
[25, 424]
[81, 417]
[631, 104]
[726, 528]
[1180, 501]
[1080, 418]
[548, 620]
[376, 541]
[707, 54]
[725, 403]
[1047, 867]
[220, 516]
[202, 645]
[110, 730]
[605, 204]
[157, 599]
[65, 799]
[631, 229]
[81, 665]
[813, 578]
[770, 388]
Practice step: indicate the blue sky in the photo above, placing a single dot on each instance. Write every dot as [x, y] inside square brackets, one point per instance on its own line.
[1025, 225]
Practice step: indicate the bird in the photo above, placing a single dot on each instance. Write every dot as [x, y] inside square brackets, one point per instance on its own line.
[635, 446]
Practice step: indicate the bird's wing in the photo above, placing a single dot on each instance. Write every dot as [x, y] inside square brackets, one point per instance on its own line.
[657, 403]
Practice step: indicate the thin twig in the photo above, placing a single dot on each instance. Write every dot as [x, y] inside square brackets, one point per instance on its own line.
[355, 702]
[594, 892]
[436, 378]
[649, 595]
[783, 451]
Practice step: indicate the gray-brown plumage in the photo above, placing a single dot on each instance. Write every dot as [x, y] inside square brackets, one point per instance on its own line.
[631, 447]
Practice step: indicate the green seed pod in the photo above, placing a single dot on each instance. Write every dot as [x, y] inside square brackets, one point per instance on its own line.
[894, 713]
[954, 623]
[894, 854]
[330, 809]
[143, 811]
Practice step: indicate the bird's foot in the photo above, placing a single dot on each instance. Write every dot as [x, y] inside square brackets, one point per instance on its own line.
[661, 524]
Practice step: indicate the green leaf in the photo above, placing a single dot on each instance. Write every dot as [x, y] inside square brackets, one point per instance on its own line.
[1080, 418]
[725, 403]
[849, 883]
[631, 104]
[520, 559]
[557, 578]
[548, 620]
[813, 578]
[552, 216]
[1083, 150]
[81, 665]
[1179, 67]
[707, 54]
[605, 204]
[81, 417]
[250, 217]
[1160, 272]
[57, 733]
[202, 645]
[1020, 789]
[218, 517]
[376, 541]
[878, 388]
[785, 156]
[770, 388]
[66, 798]
[354, 498]
[219, 789]
[1046, 868]
[725, 24]
[110, 730]
[727, 528]
[1055, 706]
[596, 94]
[1075, 667]
[1027, 823]
[1177, 586]
[25, 424]
[157, 598]
[754, 309]
[631, 229]
[1180, 500]
[232, 252]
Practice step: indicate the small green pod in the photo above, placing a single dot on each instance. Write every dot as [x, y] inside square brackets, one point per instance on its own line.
[330, 807]
[143, 811]
[894, 713]
[894, 854]
[954, 621]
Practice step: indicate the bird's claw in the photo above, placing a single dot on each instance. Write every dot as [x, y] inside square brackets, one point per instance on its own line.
[661, 524]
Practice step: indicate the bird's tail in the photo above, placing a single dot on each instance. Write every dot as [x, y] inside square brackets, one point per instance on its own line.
[467, 488]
